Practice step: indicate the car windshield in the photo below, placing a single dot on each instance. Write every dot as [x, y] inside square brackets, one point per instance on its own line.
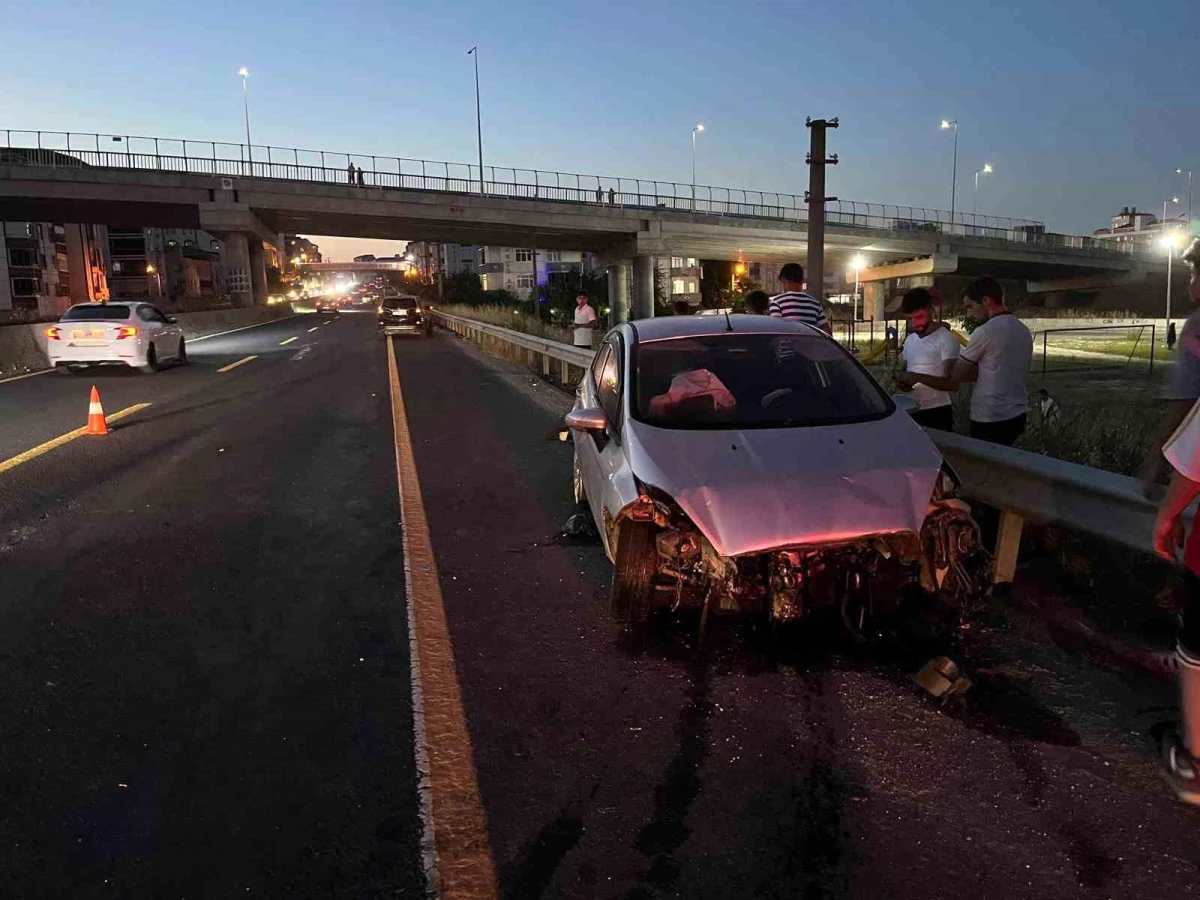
[752, 381]
[96, 312]
[400, 303]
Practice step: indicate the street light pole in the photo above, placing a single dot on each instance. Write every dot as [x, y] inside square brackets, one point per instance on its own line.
[245, 73]
[699, 127]
[474, 51]
[986, 170]
[1168, 242]
[952, 123]
[1189, 206]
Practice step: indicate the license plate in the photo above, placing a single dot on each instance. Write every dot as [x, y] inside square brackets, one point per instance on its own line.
[94, 334]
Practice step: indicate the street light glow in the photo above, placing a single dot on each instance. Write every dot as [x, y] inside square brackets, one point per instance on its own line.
[1170, 240]
[987, 168]
[699, 126]
[858, 263]
[149, 269]
[244, 72]
[945, 124]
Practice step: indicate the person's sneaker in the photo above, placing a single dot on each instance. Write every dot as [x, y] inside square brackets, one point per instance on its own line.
[1179, 767]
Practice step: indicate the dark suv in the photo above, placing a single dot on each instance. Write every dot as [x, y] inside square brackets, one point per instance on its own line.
[402, 315]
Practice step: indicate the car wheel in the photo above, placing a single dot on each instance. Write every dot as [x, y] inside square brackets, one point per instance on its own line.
[151, 361]
[633, 575]
[181, 356]
[73, 368]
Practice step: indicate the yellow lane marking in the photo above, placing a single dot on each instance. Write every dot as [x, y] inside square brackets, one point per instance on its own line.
[288, 341]
[13, 462]
[240, 362]
[26, 375]
[314, 328]
[451, 808]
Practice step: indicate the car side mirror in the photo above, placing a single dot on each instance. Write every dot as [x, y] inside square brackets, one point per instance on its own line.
[906, 403]
[591, 419]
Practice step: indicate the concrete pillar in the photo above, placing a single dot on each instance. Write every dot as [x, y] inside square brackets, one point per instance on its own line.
[874, 299]
[618, 293]
[236, 259]
[258, 271]
[643, 287]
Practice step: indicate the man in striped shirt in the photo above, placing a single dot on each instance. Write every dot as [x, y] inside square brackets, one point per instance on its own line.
[794, 302]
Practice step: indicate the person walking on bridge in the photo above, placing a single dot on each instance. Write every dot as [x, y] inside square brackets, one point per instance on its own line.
[996, 360]
[350, 173]
[795, 303]
[1180, 748]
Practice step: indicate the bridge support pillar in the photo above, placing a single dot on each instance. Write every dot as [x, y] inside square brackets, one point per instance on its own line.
[643, 287]
[618, 293]
[258, 272]
[245, 268]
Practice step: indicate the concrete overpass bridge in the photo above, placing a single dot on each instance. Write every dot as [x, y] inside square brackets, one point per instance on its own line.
[236, 192]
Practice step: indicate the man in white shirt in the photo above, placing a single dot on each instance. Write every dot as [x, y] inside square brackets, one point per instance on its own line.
[996, 359]
[1180, 749]
[929, 353]
[585, 321]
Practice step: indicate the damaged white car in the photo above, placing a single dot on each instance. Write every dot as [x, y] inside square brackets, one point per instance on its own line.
[749, 464]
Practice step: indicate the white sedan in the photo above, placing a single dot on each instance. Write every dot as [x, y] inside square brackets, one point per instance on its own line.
[130, 333]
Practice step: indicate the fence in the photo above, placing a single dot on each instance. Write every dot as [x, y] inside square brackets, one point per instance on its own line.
[58, 149]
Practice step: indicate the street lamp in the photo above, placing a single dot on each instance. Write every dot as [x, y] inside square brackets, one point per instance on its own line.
[699, 127]
[474, 51]
[856, 264]
[952, 123]
[1189, 206]
[245, 73]
[1169, 241]
[986, 170]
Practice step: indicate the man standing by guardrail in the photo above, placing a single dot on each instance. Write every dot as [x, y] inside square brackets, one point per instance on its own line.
[1180, 749]
[585, 322]
[929, 355]
[996, 359]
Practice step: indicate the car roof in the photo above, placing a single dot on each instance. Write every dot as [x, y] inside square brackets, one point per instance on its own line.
[666, 327]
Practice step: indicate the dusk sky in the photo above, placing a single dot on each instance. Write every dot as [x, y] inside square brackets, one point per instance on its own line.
[1082, 108]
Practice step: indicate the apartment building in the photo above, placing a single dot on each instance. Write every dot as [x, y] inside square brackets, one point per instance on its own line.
[46, 267]
[169, 266]
[680, 278]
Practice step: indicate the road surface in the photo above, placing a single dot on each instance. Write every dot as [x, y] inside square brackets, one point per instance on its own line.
[205, 653]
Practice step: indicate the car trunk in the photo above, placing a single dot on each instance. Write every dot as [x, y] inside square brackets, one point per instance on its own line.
[753, 490]
[91, 334]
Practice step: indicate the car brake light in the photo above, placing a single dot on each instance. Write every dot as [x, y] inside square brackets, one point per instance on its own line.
[54, 333]
[126, 331]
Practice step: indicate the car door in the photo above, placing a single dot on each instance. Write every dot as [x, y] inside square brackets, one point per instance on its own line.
[166, 334]
[587, 446]
[605, 478]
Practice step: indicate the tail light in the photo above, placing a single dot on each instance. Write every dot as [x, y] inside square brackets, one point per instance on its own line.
[54, 333]
[126, 331]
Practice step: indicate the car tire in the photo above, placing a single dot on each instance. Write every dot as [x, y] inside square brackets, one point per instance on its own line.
[73, 368]
[633, 574]
[151, 365]
[181, 356]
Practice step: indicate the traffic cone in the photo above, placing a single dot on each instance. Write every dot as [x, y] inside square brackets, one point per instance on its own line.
[96, 423]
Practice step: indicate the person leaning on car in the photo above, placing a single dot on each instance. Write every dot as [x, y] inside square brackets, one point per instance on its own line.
[929, 355]
[996, 359]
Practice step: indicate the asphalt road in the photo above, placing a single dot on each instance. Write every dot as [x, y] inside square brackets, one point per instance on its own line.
[204, 654]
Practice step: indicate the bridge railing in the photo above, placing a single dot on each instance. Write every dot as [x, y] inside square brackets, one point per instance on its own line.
[60, 149]
[1022, 485]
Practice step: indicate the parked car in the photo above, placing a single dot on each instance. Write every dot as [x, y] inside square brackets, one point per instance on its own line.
[123, 333]
[402, 315]
[752, 465]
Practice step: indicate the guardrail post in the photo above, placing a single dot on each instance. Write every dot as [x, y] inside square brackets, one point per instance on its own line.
[1008, 543]
[565, 375]
[545, 364]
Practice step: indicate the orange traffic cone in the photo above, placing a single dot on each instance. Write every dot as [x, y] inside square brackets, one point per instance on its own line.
[96, 423]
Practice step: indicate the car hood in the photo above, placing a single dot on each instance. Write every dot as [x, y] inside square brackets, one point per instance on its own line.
[754, 490]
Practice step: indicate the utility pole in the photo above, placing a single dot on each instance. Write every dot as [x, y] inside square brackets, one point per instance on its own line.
[815, 196]
[474, 51]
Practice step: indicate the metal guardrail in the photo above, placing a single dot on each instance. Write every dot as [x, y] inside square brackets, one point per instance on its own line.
[63, 149]
[1022, 485]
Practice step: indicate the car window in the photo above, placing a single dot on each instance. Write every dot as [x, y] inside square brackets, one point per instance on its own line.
[608, 386]
[400, 303]
[753, 381]
[96, 312]
[598, 362]
[150, 314]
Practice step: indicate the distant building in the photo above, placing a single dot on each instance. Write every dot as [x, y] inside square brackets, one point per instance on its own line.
[45, 267]
[427, 259]
[1134, 229]
[168, 266]
[681, 276]
[301, 248]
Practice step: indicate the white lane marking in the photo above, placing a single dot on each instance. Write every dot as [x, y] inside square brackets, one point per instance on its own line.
[314, 328]
[330, 322]
[26, 375]
[288, 341]
[243, 328]
[301, 353]
[240, 362]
